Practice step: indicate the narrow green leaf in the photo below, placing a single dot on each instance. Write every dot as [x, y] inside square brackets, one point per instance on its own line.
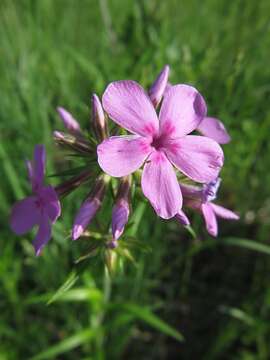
[72, 278]
[66, 345]
[153, 320]
[248, 244]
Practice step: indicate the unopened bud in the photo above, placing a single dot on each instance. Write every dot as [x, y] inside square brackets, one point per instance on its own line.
[78, 144]
[157, 90]
[69, 122]
[89, 208]
[98, 118]
[68, 186]
[120, 212]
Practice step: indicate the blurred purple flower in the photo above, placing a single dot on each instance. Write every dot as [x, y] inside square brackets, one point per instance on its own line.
[41, 209]
[159, 143]
[201, 199]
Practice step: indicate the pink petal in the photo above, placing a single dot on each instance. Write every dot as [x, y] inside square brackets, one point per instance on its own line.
[214, 129]
[51, 203]
[157, 89]
[43, 234]
[160, 186]
[120, 216]
[182, 218]
[210, 219]
[129, 106]
[181, 111]
[38, 166]
[221, 212]
[122, 155]
[198, 157]
[86, 213]
[69, 122]
[24, 215]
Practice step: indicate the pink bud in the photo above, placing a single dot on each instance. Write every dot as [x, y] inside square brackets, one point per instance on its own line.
[120, 213]
[120, 216]
[88, 209]
[98, 118]
[157, 90]
[69, 122]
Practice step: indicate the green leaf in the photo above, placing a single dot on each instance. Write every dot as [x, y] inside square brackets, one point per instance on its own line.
[72, 278]
[244, 243]
[66, 345]
[248, 244]
[153, 320]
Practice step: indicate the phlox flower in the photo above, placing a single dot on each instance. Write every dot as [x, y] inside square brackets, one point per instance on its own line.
[158, 143]
[41, 209]
[201, 199]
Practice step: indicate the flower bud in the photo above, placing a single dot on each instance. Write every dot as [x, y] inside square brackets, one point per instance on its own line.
[68, 186]
[89, 209]
[120, 212]
[78, 144]
[69, 122]
[98, 118]
[158, 88]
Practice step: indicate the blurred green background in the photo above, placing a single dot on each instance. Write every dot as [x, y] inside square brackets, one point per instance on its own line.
[215, 292]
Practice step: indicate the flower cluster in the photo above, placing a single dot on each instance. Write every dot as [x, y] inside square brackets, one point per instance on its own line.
[157, 132]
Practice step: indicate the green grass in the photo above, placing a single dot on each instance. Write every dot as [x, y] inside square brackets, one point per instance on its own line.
[214, 293]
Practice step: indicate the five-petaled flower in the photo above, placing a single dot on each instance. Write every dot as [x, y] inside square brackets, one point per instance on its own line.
[200, 199]
[158, 143]
[41, 209]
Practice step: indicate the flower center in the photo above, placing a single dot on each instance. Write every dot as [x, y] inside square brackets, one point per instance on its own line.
[210, 190]
[159, 142]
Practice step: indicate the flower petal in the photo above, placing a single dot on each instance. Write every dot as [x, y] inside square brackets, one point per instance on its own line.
[43, 235]
[24, 215]
[129, 106]
[51, 202]
[181, 111]
[210, 219]
[198, 157]
[182, 218]
[160, 185]
[214, 129]
[85, 215]
[224, 213]
[157, 89]
[122, 155]
[39, 166]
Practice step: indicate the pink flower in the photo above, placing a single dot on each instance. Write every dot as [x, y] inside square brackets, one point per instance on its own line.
[201, 200]
[41, 209]
[158, 143]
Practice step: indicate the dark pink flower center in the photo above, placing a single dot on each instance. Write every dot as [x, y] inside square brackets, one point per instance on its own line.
[160, 142]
